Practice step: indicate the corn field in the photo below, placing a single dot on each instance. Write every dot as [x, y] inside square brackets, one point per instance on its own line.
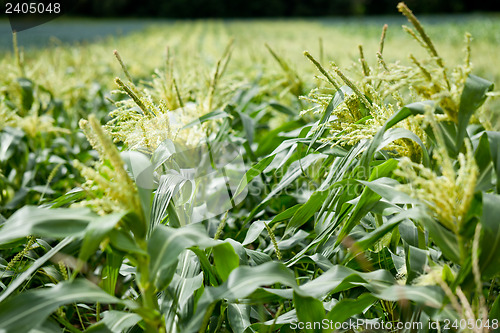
[253, 176]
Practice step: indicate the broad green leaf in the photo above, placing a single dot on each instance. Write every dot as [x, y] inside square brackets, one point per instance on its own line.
[141, 171]
[293, 172]
[309, 310]
[183, 291]
[254, 232]
[385, 187]
[272, 139]
[337, 279]
[29, 309]
[296, 239]
[318, 259]
[208, 269]
[48, 326]
[248, 126]
[253, 172]
[225, 259]
[283, 109]
[99, 327]
[258, 257]
[367, 199]
[494, 141]
[403, 113]
[409, 233]
[239, 250]
[426, 295]
[27, 93]
[483, 158]
[416, 261]
[110, 272]
[340, 278]
[348, 307]
[166, 244]
[371, 238]
[473, 96]
[169, 185]
[239, 317]
[123, 240]
[242, 281]
[285, 215]
[306, 211]
[444, 239]
[495, 309]
[119, 321]
[95, 233]
[54, 223]
[489, 259]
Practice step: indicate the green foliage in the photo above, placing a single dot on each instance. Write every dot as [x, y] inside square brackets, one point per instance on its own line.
[230, 202]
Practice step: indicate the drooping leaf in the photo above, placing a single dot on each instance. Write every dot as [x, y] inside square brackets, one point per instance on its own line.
[385, 187]
[347, 308]
[215, 114]
[309, 310]
[371, 238]
[403, 113]
[34, 267]
[254, 232]
[119, 321]
[225, 259]
[473, 96]
[293, 172]
[416, 261]
[444, 239]
[426, 295]
[95, 232]
[166, 244]
[282, 108]
[242, 282]
[306, 211]
[54, 223]
[239, 317]
[123, 240]
[367, 199]
[29, 309]
[253, 172]
[336, 100]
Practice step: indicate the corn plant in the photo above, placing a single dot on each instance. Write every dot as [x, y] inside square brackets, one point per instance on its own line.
[372, 200]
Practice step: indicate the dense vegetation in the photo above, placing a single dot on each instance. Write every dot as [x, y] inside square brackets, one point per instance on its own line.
[239, 184]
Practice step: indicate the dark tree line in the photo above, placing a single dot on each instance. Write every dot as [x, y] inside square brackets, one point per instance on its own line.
[271, 8]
